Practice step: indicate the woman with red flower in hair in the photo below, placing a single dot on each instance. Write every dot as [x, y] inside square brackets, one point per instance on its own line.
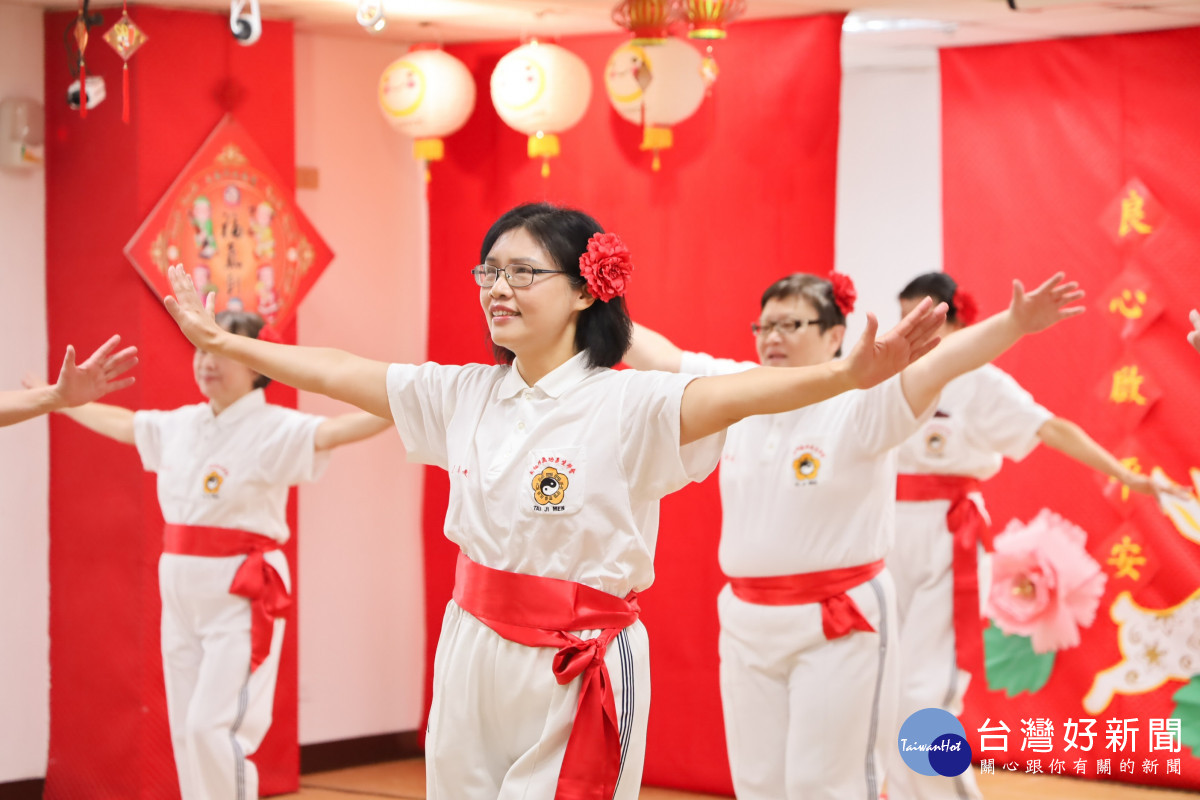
[808, 664]
[982, 417]
[557, 464]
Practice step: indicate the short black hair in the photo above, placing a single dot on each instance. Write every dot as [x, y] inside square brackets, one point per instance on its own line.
[938, 286]
[817, 291]
[604, 330]
[244, 323]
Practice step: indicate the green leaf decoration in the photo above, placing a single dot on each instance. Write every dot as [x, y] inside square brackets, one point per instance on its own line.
[1187, 710]
[1012, 665]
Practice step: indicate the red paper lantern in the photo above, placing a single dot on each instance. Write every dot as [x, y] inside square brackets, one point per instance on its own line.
[707, 19]
[647, 20]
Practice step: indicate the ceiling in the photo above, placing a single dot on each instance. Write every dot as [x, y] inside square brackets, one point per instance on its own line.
[878, 33]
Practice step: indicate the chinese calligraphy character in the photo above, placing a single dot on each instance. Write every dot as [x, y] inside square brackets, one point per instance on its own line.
[1173, 765]
[1126, 556]
[1071, 732]
[1033, 767]
[1166, 734]
[1127, 765]
[1011, 766]
[1038, 734]
[1133, 214]
[1104, 767]
[1122, 305]
[1058, 766]
[987, 766]
[1150, 767]
[1121, 733]
[987, 734]
[1126, 386]
[1081, 767]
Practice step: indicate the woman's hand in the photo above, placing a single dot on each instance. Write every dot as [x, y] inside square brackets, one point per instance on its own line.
[194, 317]
[87, 382]
[1045, 305]
[872, 361]
[1194, 336]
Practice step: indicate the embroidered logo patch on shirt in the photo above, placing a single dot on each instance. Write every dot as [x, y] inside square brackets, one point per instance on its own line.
[936, 437]
[806, 464]
[554, 483]
[213, 480]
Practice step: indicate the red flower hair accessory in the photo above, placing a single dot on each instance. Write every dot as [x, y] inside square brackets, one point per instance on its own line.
[964, 307]
[606, 266]
[844, 293]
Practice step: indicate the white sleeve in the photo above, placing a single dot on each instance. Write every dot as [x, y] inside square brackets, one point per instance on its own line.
[287, 452]
[882, 417]
[148, 437]
[1005, 415]
[654, 461]
[423, 399]
[704, 364]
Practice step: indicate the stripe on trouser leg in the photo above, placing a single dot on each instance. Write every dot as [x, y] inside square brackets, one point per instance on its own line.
[873, 731]
[239, 758]
[625, 653]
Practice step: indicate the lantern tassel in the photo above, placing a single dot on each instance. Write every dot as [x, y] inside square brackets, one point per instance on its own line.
[125, 93]
[82, 89]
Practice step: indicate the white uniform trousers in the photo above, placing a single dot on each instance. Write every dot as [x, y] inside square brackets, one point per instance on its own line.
[218, 711]
[808, 718]
[921, 564]
[499, 722]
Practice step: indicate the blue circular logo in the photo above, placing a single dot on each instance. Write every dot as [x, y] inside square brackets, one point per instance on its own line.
[933, 742]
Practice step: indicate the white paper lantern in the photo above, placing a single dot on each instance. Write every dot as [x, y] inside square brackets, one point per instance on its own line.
[428, 94]
[656, 86]
[541, 90]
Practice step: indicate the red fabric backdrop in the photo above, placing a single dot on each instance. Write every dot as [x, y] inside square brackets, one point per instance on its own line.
[1040, 143]
[108, 726]
[745, 196]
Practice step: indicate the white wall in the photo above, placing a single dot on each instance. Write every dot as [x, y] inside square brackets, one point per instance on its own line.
[889, 203]
[24, 476]
[362, 612]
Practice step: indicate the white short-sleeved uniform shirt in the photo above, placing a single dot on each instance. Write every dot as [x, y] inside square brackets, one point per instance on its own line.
[812, 489]
[561, 479]
[982, 416]
[231, 470]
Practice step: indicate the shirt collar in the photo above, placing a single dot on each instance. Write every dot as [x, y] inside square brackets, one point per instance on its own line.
[242, 407]
[553, 384]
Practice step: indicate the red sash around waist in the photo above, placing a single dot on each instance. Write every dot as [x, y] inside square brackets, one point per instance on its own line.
[541, 612]
[968, 527]
[256, 580]
[839, 614]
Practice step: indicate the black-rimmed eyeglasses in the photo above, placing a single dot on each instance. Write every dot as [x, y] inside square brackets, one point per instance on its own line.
[784, 326]
[517, 276]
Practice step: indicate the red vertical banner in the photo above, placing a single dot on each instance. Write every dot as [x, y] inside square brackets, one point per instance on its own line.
[1079, 155]
[108, 727]
[745, 196]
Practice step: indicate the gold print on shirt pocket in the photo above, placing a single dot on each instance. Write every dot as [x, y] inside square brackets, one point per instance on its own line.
[556, 479]
[810, 465]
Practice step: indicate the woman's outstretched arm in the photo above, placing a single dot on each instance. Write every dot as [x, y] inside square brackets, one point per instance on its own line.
[343, 376]
[712, 404]
[979, 344]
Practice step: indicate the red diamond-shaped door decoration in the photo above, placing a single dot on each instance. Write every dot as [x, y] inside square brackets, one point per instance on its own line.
[235, 226]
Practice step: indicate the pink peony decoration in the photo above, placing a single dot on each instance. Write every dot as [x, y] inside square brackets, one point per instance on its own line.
[606, 266]
[1044, 583]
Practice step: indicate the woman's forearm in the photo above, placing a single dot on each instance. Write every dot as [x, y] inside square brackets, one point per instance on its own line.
[334, 373]
[711, 404]
[114, 422]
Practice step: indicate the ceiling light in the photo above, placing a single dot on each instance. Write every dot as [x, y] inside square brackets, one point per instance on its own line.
[859, 23]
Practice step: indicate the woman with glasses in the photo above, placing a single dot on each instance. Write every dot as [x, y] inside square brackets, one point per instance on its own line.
[557, 465]
[224, 468]
[808, 662]
[982, 417]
